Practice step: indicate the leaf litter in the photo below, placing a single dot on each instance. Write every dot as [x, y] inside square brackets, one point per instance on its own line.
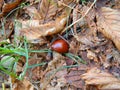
[93, 38]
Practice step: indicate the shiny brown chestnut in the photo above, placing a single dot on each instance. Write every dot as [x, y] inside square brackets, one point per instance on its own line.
[60, 46]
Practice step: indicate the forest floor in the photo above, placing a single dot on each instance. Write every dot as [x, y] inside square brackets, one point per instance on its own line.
[60, 45]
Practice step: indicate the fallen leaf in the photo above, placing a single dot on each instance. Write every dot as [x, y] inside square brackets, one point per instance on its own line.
[22, 85]
[57, 84]
[7, 7]
[54, 66]
[34, 72]
[1, 4]
[38, 27]
[33, 30]
[58, 59]
[116, 56]
[73, 77]
[32, 12]
[48, 8]
[117, 4]
[101, 79]
[92, 56]
[108, 21]
[87, 40]
[58, 81]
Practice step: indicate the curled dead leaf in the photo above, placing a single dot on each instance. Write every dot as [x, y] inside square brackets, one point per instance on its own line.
[33, 30]
[108, 21]
[49, 19]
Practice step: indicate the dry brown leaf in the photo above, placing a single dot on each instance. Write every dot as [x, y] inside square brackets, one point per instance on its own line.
[117, 4]
[49, 8]
[116, 56]
[35, 72]
[33, 30]
[112, 86]
[58, 59]
[39, 26]
[75, 17]
[58, 82]
[32, 12]
[22, 85]
[52, 68]
[85, 38]
[101, 79]
[7, 7]
[1, 4]
[109, 22]
[73, 77]
[66, 2]
[91, 55]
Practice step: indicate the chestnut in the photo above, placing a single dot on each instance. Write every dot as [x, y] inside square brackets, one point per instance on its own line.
[60, 46]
